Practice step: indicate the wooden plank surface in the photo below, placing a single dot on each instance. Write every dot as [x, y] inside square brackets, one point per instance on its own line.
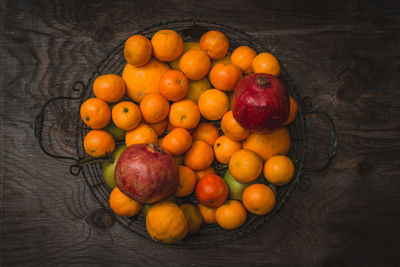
[345, 55]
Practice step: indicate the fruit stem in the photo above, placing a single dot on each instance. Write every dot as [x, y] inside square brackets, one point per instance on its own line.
[156, 147]
[262, 81]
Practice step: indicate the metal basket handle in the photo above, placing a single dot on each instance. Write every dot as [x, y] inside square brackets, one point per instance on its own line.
[40, 119]
[333, 142]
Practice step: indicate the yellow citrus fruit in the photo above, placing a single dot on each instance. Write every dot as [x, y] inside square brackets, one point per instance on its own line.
[278, 170]
[122, 205]
[245, 166]
[231, 215]
[166, 222]
[259, 199]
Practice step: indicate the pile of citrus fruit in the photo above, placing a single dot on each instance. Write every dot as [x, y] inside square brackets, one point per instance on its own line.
[178, 95]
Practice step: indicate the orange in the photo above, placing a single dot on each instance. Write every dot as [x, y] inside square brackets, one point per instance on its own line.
[243, 58]
[267, 145]
[95, 113]
[98, 143]
[213, 104]
[259, 199]
[154, 108]
[245, 166]
[122, 205]
[186, 47]
[225, 76]
[224, 148]
[193, 217]
[266, 63]
[199, 156]
[143, 134]
[126, 115]
[185, 114]
[167, 45]
[137, 50]
[141, 81]
[195, 64]
[166, 222]
[187, 181]
[209, 170]
[231, 215]
[208, 214]
[207, 132]
[196, 88]
[160, 127]
[109, 87]
[292, 112]
[177, 142]
[215, 44]
[278, 170]
[174, 85]
[225, 60]
[232, 128]
[212, 191]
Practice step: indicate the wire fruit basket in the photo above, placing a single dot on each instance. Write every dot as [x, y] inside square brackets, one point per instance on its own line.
[70, 125]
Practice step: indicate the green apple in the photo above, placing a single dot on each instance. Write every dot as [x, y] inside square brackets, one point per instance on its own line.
[145, 209]
[117, 133]
[236, 188]
[108, 168]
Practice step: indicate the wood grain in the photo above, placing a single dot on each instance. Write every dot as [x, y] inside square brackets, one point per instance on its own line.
[343, 55]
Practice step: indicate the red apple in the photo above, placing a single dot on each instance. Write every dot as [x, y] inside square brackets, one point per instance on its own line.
[146, 174]
[260, 102]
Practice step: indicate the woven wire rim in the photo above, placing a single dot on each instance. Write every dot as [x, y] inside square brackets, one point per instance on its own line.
[208, 235]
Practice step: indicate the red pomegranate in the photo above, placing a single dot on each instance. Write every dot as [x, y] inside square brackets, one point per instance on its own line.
[260, 102]
[146, 174]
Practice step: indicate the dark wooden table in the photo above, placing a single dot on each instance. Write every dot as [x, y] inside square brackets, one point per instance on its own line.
[343, 54]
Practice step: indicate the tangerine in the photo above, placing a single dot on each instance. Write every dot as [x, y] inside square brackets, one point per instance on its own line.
[213, 104]
[98, 143]
[245, 166]
[137, 50]
[212, 191]
[224, 148]
[243, 57]
[195, 64]
[143, 134]
[225, 76]
[109, 87]
[187, 181]
[174, 85]
[231, 215]
[215, 44]
[185, 114]
[95, 113]
[199, 156]
[177, 142]
[266, 63]
[126, 115]
[154, 108]
[207, 132]
[258, 199]
[232, 128]
[167, 45]
[278, 170]
[122, 205]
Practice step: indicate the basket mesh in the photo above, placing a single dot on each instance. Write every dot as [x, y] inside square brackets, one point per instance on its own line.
[190, 30]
